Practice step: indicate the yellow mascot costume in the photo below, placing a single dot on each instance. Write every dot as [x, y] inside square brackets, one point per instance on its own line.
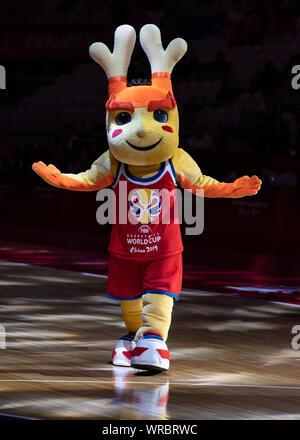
[143, 161]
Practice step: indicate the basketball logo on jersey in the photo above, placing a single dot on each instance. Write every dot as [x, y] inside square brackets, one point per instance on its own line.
[145, 205]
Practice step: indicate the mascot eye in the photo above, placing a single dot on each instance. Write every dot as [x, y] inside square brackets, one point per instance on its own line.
[123, 118]
[160, 116]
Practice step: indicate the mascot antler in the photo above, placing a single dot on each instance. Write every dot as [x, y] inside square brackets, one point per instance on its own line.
[115, 64]
[161, 61]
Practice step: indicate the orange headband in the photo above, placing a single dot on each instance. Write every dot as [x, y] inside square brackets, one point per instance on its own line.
[158, 95]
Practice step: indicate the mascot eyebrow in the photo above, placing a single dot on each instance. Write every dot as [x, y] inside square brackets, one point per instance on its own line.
[168, 103]
[157, 95]
[112, 104]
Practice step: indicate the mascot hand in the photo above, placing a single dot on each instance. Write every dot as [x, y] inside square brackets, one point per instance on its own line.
[49, 173]
[245, 186]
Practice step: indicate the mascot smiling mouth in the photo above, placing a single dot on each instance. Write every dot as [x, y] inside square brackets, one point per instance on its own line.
[144, 148]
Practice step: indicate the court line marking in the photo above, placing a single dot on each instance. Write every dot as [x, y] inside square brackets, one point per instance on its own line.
[15, 417]
[187, 290]
[89, 274]
[208, 384]
[286, 303]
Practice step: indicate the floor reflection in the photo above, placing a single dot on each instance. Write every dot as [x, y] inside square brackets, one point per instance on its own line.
[143, 401]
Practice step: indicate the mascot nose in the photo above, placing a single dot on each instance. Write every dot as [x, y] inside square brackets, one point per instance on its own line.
[140, 132]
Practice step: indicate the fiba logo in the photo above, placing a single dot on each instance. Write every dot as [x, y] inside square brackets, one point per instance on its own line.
[144, 229]
[145, 205]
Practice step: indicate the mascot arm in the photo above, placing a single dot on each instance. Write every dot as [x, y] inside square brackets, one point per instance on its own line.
[100, 175]
[190, 177]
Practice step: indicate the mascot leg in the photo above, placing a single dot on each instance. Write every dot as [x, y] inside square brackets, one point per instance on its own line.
[132, 316]
[151, 351]
[157, 314]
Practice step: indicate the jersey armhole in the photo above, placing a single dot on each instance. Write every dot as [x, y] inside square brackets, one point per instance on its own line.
[117, 175]
[173, 171]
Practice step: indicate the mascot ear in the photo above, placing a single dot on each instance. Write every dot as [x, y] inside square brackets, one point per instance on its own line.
[161, 60]
[116, 64]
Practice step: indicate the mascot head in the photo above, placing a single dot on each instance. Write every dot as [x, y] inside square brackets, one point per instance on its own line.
[141, 121]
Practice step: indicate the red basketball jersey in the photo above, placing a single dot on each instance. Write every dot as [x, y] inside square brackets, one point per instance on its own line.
[146, 223]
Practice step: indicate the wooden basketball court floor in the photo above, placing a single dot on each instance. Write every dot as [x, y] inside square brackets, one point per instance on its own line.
[231, 356]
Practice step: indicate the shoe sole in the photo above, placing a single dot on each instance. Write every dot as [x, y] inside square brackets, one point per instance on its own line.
[148, 367]
[121, 365]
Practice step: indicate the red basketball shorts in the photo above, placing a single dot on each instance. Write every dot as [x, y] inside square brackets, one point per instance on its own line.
[128, 279]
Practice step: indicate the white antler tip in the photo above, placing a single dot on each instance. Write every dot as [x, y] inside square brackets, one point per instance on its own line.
[177, 48]
[95, 48]
[149, 33]
[149, 27]
[125, 28]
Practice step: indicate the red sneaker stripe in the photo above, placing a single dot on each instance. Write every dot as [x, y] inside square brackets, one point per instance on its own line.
[164, 353]
[113, 353]
[138, 351]
[127, 354]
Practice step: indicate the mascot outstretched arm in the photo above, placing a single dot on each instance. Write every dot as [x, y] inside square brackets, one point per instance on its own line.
[142, 125]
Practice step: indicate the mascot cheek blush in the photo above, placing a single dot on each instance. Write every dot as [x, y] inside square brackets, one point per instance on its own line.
[142, 124]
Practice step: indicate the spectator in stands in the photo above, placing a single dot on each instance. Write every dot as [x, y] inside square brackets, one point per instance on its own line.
[272, 17]
[287, 17]
[234, 24]
[253, 28]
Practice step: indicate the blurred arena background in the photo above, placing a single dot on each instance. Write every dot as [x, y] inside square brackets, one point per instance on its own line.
[239, 114]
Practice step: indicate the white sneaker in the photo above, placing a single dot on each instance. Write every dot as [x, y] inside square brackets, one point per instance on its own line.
[121, 354]
[151, 353]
